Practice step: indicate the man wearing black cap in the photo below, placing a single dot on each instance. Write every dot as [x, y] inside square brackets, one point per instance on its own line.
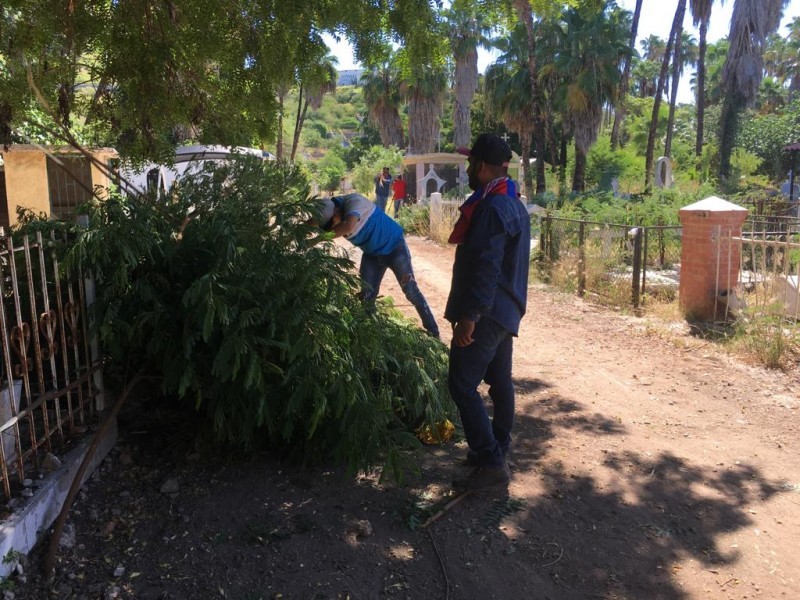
[488, 296]
[381, 240]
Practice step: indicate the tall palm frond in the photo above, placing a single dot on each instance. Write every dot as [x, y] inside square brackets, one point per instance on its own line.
[752, 21]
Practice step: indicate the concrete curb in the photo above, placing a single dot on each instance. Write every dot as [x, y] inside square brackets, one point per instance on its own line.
[26, 526]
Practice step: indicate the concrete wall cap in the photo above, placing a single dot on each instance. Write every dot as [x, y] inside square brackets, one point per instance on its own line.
[714, 204]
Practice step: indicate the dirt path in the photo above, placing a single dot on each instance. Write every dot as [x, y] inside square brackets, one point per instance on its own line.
[671, 467]
[646, 465]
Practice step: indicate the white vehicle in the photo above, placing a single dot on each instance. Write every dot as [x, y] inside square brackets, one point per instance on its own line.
[156, 178]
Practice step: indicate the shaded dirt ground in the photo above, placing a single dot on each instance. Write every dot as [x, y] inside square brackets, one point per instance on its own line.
[646, 465]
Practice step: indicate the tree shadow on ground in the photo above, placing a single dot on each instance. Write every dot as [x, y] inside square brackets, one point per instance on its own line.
[613, 528]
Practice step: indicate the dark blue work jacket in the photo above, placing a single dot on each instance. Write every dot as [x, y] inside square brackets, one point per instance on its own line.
[490, 273]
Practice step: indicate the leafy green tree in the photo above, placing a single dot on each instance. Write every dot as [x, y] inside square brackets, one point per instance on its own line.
[316, 80]
[371, 162]
[151, 73]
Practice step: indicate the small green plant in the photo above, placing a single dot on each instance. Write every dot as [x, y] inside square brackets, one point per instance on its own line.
[766, 339]
[12, 556]
[415, 219]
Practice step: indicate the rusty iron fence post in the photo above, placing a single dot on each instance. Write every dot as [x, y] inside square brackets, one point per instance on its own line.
[636, 234]
[581, 258]
[642, 291]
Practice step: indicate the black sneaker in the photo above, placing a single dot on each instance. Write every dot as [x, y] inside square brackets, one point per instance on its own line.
[485, 477]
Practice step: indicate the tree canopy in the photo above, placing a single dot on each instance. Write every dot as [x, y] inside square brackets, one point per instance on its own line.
[143, 73]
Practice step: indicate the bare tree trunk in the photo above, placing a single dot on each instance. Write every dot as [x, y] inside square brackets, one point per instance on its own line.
[389, 124]
[423, 123]
[298, 127]
[676, 75]
[651, 138]
[579, 176]
[701, 89]
[525, 142]
[525, 14]
[466, 84]
[541, 148]
[624, 84]
[279, 141]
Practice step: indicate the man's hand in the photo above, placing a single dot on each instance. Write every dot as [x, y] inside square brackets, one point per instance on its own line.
[462, 333]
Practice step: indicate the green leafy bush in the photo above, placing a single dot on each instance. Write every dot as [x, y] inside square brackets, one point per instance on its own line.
[415, 219]
[250, 314]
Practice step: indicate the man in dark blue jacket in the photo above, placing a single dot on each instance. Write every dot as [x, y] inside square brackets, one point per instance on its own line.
[487, 300]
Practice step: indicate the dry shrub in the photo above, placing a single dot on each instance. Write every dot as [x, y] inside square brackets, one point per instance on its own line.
[443, 217]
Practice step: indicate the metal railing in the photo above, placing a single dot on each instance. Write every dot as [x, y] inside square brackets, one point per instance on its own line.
[621, 264]
[768, 282]
[51, 381]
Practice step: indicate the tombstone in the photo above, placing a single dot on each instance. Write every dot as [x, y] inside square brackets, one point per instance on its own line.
[431, 176]
[663, 178]
[786, 188]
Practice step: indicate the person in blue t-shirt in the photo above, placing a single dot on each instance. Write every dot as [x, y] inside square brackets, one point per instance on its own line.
[381, 239]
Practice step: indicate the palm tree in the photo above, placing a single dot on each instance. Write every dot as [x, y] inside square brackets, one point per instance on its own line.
[701, 15]
[685, 54]
[592, 45]
[771, 95]
[508, 93]
[789, 65]
[467, 31]
[647, 69]
[524, 13]
[624, 84]
[677, 27]
[424, 87]
[381, 89]
[716, 54]
[316, 80]
[752, 21]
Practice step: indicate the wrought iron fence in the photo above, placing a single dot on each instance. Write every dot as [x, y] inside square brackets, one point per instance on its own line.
[620, 264]
[51, 380]
[768, 262]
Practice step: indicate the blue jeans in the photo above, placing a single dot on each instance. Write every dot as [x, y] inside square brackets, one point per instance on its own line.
[487, 359]
[381, 201]
[397, 205]
[372, 270]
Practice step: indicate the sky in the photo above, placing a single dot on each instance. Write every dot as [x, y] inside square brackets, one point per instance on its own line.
[656, 19]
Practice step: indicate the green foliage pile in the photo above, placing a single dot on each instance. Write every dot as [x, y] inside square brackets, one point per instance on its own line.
[249, 313]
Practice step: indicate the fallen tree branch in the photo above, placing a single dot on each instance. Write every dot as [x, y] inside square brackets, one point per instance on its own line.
[61, 520]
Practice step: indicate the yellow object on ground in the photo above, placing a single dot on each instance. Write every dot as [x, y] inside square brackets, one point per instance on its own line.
[444, 431]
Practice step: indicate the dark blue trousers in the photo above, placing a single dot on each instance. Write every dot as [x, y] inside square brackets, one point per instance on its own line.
[487, 359]
[372, 270]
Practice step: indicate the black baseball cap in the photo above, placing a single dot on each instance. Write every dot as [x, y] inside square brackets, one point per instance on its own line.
[489, 148]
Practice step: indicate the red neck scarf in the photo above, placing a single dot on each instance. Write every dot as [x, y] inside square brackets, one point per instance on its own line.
[497, 187]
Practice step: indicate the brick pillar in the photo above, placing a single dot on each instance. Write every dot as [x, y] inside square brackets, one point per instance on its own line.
[709, 260]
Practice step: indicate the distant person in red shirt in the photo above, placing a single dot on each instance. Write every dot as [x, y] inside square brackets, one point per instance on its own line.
[399, 190]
